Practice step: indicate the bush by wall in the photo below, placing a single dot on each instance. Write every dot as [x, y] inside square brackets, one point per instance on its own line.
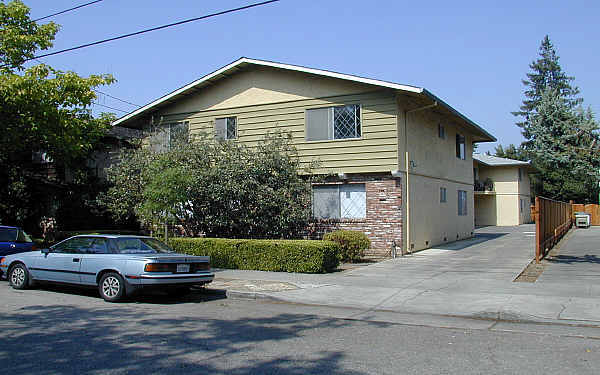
[263, 255]
[352, 244]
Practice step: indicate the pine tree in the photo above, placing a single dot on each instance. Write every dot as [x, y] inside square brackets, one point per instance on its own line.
[546, 73]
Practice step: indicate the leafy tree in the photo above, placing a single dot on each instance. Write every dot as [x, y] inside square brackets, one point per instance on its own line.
[221, 189]
[42, 110]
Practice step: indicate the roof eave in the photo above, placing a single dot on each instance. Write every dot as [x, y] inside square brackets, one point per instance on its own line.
[484, 133]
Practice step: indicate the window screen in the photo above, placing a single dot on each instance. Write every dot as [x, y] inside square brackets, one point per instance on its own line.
[178, 133]
[226, 128]
[339, 201]
[169, 135]
[341, 122]
[353, 201]
[462, 203]
[326, 202]
[460, 147]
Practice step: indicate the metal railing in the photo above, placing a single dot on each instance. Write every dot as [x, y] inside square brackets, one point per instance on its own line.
[553, 219]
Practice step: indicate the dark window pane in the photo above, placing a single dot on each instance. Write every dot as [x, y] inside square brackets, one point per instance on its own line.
[8, 234]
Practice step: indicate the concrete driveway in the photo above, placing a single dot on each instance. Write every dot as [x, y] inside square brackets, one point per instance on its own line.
[471, 278]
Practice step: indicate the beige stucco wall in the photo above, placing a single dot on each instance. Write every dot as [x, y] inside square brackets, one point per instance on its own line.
[433, 222]
[433, 164]
[508, 193]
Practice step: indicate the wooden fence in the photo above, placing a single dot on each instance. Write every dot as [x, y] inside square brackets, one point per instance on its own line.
[553, 219]
[592, 209]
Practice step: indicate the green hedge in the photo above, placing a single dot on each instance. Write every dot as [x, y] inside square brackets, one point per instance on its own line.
[352, 244]
[263, 255]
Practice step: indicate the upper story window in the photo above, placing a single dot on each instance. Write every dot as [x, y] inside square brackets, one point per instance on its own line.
[341, 122]
[169, 135]
[441, 131]
[226, 128]
[460, 147]
[442, 195]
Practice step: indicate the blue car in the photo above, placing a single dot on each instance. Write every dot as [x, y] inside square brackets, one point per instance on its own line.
[117, 265]
[14, 240]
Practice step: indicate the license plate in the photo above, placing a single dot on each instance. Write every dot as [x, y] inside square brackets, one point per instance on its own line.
[183, 268]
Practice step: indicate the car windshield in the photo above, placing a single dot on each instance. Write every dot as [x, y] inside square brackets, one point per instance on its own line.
[8, 234]
[141, 246]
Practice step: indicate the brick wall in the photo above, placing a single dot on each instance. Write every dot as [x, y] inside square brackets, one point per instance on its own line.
[383, 223]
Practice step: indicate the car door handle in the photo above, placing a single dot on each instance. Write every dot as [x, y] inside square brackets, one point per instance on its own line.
[75, 260]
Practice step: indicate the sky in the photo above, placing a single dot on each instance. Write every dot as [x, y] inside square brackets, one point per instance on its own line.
[472, 54]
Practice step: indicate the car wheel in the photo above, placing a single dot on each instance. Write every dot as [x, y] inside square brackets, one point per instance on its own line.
[18, 276]
[111, 287]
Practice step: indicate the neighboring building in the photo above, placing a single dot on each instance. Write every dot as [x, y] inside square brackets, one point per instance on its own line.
[502, 190]
[362, 130]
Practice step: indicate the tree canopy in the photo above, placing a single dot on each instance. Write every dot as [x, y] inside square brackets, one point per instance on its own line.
[561, 138]
[42, 110]
[220, 189]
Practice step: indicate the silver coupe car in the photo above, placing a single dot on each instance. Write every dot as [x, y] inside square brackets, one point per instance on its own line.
[117, 265]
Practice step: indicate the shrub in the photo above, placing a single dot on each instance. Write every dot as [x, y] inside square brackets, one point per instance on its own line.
[352, 244]
[263, 255]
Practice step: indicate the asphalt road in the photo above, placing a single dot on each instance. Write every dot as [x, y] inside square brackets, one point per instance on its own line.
[64, 331]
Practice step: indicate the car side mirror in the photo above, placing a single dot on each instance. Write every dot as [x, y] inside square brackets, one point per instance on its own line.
[45, 251]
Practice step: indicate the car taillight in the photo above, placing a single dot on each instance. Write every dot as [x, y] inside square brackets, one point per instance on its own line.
[156, 267]
[202, 267]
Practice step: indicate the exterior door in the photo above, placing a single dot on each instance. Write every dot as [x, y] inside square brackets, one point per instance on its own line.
[63, 262]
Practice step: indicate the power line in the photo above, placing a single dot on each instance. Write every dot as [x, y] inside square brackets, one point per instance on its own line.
[156, 28]
[66, 10]
[105, 106]
[119, 99]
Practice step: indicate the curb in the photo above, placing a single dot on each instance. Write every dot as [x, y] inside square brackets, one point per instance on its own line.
[492, 316]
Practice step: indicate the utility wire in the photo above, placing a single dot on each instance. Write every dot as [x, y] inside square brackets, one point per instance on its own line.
[105, 106]
[66, 10]
[156, 28]
[119, 99]
[103, 93]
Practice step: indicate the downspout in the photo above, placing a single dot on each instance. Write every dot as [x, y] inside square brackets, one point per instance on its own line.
[407, 167]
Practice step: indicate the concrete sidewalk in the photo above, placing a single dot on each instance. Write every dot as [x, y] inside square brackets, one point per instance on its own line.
[471, 278]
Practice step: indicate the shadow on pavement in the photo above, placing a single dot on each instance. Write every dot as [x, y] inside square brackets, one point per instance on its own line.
[569, 259]
[477, 239]
[68, 339]
[155, 297]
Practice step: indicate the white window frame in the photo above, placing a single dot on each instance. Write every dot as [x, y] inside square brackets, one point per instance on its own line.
[358, 130]
[462, 203]
[341, 212]
[227, 118]
[461, 146]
